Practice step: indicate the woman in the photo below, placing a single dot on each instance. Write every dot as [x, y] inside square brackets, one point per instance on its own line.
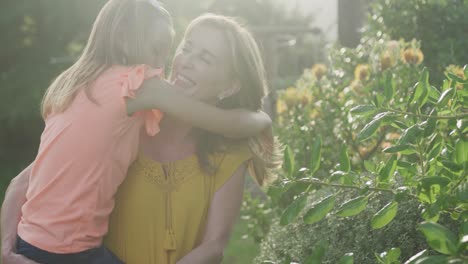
[183, 194]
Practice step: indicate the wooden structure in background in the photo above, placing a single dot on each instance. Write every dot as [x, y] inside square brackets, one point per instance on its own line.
[351, 17]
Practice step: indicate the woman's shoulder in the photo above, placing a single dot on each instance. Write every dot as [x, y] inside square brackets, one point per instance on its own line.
[233, 157]
[237, 149]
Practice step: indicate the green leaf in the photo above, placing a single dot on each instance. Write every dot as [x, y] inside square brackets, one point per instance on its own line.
[461, 152]
[371, 127]
[385, 215]
[405, 164]
[430, 125]
[462, 193]
[432, 260]
[363, 110]
[353, 206]
[463, 245]
[427, 182]
[435, 151]
[338, 176]
[425, 96]
[399, 124]
[316, 155]
[379, 99]
[397, 148]
[429, 215]
[452, 166]
[294, 189]
[422, 88]
[317, 253]
[289, 162]
[433, 94]
[345, 164]
[393, 255]
[370, 166]
[445, 85]
[348, 258]
[389, 89]
[319, 210]
[275, 192]
[388, 170]
[439, 238]
[419, 255]
[293, 210]
[445, 96]
[454, 77]
[410, 134]
[415, 94]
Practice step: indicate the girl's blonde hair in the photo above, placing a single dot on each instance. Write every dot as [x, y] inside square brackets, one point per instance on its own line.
[119, 37]
[248, 69]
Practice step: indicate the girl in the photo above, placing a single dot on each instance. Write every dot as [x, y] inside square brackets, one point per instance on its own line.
[93, 115]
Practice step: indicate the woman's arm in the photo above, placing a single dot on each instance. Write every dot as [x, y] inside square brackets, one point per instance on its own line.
[15, 197]
[222, 216]
[236, 123]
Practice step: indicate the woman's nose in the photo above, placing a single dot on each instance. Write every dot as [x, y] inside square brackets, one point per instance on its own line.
[187, 61]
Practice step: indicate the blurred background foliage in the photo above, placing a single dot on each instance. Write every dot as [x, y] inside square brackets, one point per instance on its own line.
[378, 124]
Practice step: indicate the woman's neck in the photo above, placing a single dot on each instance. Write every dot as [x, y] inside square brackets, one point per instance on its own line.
[173, 142]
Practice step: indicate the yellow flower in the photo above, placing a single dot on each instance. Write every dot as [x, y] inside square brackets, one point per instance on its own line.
[319, 70]
[362, 72]
[412, 56]
[281, 107]
[456, 70]
[314, 114]
[305, 97]
[386, 144]
[356, 86]
[386, 61]
[392, 136]
[363, 151]
[290, 97]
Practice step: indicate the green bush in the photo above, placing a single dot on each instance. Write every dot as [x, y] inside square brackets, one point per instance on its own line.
[439, 24]
[372, 132]
[296, 242]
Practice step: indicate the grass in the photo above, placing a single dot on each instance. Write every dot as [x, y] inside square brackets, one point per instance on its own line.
[241, 248]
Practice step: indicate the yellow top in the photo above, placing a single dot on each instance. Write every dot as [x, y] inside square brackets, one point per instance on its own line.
[161, 209]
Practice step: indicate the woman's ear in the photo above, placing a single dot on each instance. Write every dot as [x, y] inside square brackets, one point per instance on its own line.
[230, 91]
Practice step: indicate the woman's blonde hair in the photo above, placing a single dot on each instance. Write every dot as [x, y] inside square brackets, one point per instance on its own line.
[248, 69]
[119, 37]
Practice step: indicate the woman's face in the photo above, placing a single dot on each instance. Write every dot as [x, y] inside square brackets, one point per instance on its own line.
[201, 64]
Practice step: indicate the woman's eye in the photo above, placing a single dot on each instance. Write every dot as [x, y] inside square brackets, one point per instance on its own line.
[206, 60]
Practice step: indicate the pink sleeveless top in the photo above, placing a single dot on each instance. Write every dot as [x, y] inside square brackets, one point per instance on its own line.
[83, 157]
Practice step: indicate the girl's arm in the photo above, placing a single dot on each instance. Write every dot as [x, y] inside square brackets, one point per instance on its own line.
[236, 123]
[222, 216]
[15, 197]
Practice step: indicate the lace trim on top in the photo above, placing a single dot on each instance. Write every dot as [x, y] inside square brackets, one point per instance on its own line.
[177, 172]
